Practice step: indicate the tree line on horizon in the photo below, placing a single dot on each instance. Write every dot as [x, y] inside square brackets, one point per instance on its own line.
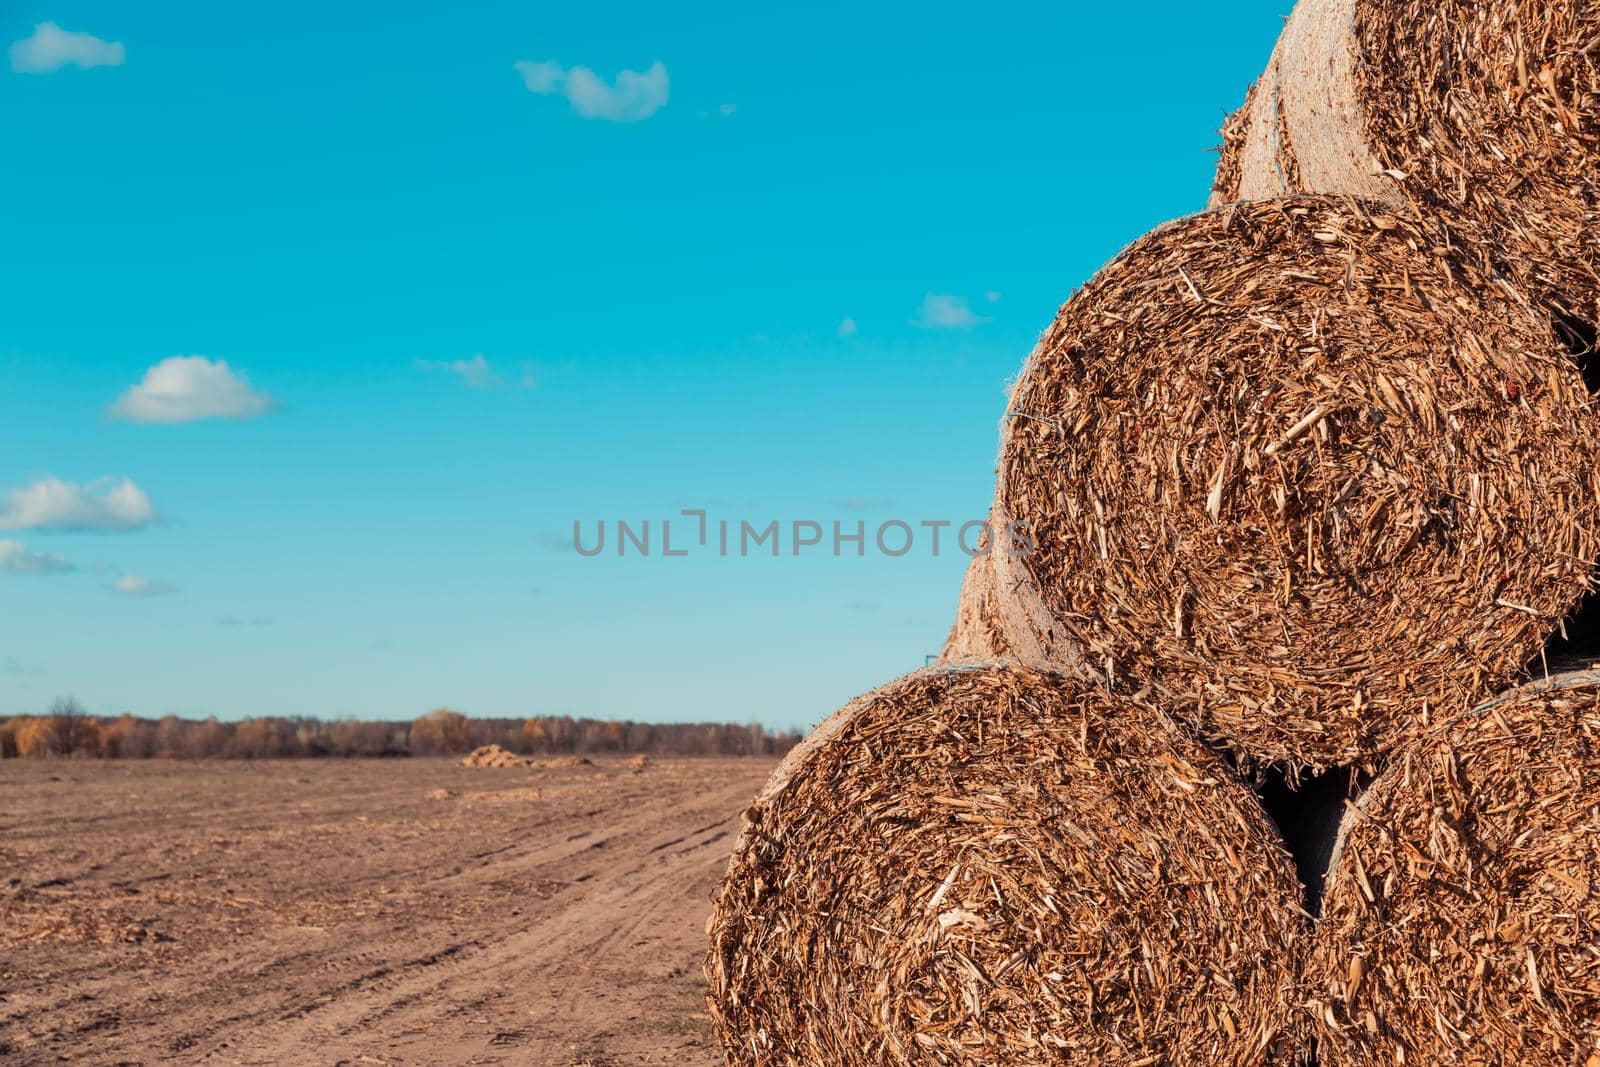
[67, 731]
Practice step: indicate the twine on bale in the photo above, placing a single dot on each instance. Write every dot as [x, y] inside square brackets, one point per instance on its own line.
[1461, 922]
[986, 864]
[1487, 111]
[1298, 471]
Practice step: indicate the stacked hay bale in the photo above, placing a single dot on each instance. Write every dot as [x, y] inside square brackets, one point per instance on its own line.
[959, 868]
[1458, 925]
[1461, 923]
[1302, 471]
[1485, 111]
[1305, 475]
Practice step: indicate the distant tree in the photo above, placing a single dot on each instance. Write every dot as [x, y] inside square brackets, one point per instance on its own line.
[171, 741]
[440, 733]
[39, 737]
[69, 731]
[78, 734]
[369, 739]
[126, 737]
[263, 739]
[536, 736]
[206, 740]
[641, 737]
[313, 738]
[502, 732]
[563, 734]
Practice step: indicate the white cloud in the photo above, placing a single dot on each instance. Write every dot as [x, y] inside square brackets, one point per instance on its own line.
[475, 372]
[634, 96]
[190, 388]
[104, 506]
[847, 327]
[16, 559]
[134, 585]
[478, 372]
[992, 295]
[50, 48]
[942, 311]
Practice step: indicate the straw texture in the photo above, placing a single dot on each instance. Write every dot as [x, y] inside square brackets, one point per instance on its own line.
[987, 865]
[1461, 923]
[1488, 112]
[1299, 472]
[978, 632]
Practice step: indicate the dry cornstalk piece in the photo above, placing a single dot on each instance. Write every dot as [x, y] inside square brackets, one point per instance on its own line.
[1293, 468]
[1487, 110]
[987, 864]
[1235, 130]
[1462, 922]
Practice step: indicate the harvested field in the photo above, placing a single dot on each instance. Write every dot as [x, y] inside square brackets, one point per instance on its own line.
[361, 912]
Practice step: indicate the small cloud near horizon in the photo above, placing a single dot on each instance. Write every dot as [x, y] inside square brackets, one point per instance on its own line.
[50, 48]
[133, 585]
[992, 295]
[106, 505]
[632, 97]
[946, 311]
[847, 327]
[183, 389]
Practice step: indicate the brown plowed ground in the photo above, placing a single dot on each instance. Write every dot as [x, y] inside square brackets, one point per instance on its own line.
[361, 912]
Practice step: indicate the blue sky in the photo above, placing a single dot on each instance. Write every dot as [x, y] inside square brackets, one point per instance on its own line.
[443, 283]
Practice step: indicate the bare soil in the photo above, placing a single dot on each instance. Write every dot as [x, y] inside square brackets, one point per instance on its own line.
[361, 912]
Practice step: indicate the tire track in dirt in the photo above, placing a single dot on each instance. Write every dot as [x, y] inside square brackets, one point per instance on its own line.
[625, 909]
[332, 913]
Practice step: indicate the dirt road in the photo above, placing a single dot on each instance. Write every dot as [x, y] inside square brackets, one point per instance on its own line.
[361, 912]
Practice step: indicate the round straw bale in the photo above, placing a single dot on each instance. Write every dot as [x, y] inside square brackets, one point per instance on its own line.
[1295, 470]
[1462, 916]
[1485, 109]
[985, 864]
[977, 632]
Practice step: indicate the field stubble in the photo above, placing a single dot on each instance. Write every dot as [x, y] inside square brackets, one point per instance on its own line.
[361, 912]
